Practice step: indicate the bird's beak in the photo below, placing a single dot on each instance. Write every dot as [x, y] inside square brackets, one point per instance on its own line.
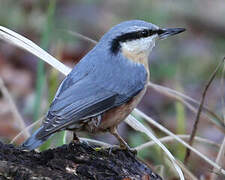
[164, 33]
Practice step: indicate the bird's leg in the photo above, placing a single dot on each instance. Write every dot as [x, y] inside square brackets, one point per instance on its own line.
[123, 144]
[75, 138]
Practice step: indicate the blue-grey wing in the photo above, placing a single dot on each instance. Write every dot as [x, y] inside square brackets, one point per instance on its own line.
[80, 101]
[88, 92]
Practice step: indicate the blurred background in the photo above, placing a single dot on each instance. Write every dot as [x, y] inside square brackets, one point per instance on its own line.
[183, 62]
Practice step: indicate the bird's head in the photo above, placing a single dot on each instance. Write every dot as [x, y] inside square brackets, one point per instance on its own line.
[135, 39]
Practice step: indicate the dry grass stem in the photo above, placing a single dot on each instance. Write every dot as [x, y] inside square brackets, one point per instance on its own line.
[195, 127]
[188, 174]
[38, 122]
[160, 127]
[168, 139]
[83, 37]
[219, 159]
[135, 124]
[24, 43]
[184, 100]
[18, 120]
[220, 156]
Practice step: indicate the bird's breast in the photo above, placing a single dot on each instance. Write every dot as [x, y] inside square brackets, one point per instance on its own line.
[140, 57]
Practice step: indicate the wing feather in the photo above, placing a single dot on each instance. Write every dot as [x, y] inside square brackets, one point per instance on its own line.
[87, 92]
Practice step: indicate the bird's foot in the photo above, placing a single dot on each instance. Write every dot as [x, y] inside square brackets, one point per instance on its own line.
[116, 148]
[110, 149]
[128, 149]
[113, 148]
[75, 138]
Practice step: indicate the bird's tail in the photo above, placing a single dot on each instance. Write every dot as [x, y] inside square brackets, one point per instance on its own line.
[33, 141]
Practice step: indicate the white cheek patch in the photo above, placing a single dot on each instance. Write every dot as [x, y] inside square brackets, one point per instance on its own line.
[140, 45]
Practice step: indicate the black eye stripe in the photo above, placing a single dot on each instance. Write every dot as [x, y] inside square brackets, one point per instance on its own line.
[135, 35]
[115, 46]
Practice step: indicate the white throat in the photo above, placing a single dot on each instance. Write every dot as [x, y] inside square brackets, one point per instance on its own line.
[143, 45]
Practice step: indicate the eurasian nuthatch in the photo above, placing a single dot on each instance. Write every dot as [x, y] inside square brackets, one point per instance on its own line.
[106, 85]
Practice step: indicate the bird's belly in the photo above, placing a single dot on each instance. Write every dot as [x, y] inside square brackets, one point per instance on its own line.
[114, 116]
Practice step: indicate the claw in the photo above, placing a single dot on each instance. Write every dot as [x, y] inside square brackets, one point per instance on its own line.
[128, 149]
[75, 138]
[113, 148]
[133, 151]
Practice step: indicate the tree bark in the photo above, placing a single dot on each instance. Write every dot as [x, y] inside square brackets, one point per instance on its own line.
[72, 161]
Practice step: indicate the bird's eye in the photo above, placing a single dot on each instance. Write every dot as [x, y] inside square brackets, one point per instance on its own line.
[144, 33]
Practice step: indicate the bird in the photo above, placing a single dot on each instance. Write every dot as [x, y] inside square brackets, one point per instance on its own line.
[105, 86]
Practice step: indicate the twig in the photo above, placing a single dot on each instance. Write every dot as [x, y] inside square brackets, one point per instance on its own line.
[193, 133]
[81, 36]
[17, 118]
[184, 99]
[220, 156]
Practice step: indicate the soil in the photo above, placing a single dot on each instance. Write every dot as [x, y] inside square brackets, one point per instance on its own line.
[72, 161]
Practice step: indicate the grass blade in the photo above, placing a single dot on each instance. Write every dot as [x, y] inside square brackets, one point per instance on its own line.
[168, 139]
[17, 117]
[24, 43]
[154, 123]
[135, 124]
